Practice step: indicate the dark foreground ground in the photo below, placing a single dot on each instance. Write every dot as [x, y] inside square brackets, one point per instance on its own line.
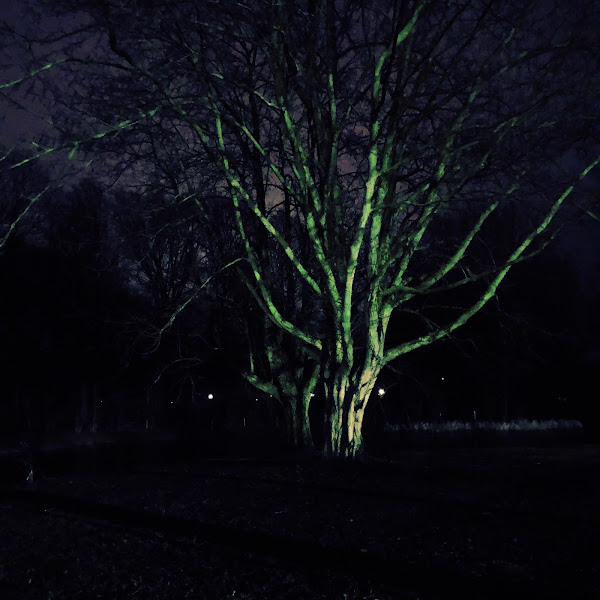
[447, 523]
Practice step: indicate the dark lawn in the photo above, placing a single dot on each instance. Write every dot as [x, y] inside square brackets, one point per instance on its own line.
[494, 522]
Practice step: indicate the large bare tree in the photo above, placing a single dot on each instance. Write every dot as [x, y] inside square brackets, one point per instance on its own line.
[367, 150]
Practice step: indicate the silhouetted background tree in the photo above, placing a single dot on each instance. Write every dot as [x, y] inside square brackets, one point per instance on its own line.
[370, 173]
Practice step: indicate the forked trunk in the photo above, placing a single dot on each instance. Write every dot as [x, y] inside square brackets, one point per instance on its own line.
[347, 400]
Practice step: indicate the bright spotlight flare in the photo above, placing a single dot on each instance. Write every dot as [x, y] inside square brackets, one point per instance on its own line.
[380, 392]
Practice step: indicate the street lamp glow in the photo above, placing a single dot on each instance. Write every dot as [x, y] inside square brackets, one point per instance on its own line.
[380, 392]
[210, 396]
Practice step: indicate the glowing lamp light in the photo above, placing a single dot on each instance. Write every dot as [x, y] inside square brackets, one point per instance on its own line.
[380, 392]
[210, 396]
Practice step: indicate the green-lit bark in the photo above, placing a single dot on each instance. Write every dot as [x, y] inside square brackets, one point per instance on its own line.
[348, 135]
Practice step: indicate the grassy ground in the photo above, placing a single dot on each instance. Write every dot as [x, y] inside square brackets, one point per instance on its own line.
[492, 522]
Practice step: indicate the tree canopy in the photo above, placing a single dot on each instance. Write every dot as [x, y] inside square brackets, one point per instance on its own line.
[366, 152]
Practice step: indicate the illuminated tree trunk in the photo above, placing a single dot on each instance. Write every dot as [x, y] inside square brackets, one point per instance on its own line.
[347, 399]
